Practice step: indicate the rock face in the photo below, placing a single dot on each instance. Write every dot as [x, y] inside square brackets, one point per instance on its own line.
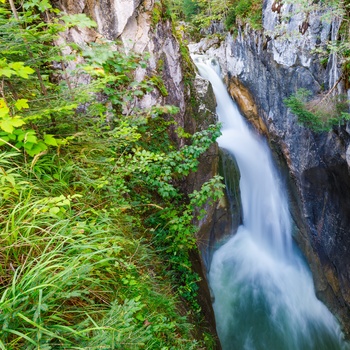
[141, 26]
[271, 65]
[111, 16]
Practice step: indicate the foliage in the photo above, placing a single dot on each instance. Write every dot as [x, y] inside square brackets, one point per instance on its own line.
[201, 13]
[190, 8]
[27, 40]
[81, 169]
[245, 11]
[66, 262]
[319, 114]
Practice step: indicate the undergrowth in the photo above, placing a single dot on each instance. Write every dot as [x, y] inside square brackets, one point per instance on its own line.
[200, 14]
[243, 12]
[95, 234]
[76, 270]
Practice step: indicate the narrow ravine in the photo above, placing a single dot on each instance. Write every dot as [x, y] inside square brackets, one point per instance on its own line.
[263, 291]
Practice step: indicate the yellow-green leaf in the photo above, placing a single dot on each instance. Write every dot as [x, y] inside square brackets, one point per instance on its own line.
[7, 72]
[21, 103]
[54, 210]
[17, 121]
[21, 70]
[50, 140]
[8, 124]
[4, 111]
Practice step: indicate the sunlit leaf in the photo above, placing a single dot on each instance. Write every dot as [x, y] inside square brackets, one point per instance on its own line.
[8, 124]
[21, 70]
[21, 103]
[4, 110]
[7, 72]
[50, 140]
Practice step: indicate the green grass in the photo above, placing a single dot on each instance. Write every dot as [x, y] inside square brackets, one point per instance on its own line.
[76, 272]
[95, 228]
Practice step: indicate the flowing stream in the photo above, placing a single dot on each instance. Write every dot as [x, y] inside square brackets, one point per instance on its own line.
[263, 291]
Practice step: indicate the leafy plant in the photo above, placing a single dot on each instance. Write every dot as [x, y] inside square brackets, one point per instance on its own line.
[81, 170]
[245, 11]
[201, 13]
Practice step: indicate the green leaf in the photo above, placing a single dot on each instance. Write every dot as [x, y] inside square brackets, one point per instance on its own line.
[8, 124]
[4, 111]
[35, 148]
[31, 138]
[50, 140]
[79, 20]
[21, 70]
[21, 103]
[4, 138]
[54, 210]
[28, 146]
[7, 72]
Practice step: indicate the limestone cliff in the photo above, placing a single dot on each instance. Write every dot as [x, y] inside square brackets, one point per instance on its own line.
[263, 68]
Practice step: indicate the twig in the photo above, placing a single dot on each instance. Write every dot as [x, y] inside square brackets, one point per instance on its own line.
[9, 144]
[330, 91]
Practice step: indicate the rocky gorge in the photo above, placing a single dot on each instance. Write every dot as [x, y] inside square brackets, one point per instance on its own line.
[261, 69]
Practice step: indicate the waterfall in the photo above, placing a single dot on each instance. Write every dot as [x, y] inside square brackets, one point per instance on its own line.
[264, 298]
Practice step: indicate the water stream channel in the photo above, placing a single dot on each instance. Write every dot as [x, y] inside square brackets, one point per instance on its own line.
[264, 298]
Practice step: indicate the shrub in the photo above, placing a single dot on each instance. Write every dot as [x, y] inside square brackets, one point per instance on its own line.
[320, 113]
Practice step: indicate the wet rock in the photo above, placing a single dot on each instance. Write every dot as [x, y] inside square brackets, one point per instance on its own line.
[246, 103]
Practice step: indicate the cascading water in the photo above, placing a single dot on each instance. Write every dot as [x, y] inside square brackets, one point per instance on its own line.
[263, 291]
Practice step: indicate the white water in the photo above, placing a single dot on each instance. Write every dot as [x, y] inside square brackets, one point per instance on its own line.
[263, 292]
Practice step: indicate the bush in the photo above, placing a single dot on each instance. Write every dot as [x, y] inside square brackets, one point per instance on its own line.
[320, 113]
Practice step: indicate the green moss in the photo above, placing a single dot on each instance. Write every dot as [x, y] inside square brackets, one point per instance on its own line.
[156, 14]
[161, 11]
[160, 65]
